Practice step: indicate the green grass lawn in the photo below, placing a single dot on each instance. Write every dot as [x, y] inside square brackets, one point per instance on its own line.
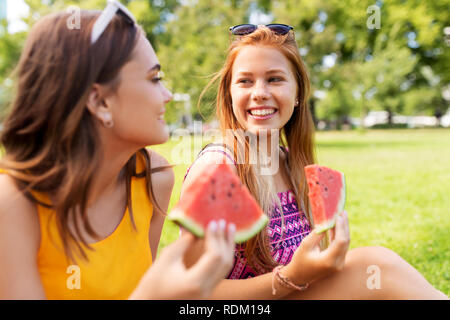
[398, 185]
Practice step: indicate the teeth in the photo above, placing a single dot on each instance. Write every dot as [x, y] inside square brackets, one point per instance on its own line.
[262, 112]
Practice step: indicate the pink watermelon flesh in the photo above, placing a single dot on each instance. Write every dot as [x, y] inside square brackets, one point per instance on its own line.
[326, 194]
[219, 194]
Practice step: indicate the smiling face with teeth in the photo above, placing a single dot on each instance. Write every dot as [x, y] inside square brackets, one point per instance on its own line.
[263, 88]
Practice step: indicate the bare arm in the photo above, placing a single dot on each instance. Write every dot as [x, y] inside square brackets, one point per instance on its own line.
[162, 183]
[19, 244]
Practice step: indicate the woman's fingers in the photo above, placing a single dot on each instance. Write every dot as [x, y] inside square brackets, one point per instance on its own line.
[331, 233]
[230, 235]
[312, 240]
[176, 250]
[346, 223]
[219, 248]
[339, 246]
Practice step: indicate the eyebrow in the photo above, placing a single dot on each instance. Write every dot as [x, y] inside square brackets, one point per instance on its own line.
[268, 72]
[276, 71]
[155, 67]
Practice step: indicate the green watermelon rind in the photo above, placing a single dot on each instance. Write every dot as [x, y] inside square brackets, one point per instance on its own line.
[330, 224]
[178, 216]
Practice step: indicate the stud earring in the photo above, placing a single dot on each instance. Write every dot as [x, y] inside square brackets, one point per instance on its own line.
[296, 102]
[107, 120]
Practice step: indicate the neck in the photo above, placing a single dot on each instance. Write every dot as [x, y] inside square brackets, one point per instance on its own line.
[111, 170]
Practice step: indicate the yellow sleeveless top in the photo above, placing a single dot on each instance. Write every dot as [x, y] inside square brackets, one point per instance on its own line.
[117, 263]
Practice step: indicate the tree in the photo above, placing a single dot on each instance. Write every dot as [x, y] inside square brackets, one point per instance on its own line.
[199, 37]
[380, 66]
[10, 48]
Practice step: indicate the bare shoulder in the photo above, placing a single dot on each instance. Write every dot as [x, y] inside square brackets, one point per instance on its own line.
[19, 243]
[17, 210]
[164, 179]
[212, 156]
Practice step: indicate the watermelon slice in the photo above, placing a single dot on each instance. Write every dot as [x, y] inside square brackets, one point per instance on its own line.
[326, 194]
[219, 194]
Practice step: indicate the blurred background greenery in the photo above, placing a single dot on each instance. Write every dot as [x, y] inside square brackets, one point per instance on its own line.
[362, 55]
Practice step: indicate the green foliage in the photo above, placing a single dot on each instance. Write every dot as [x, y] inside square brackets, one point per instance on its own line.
[374, 68]
[10, 48]
[402, 67]
[196, 50]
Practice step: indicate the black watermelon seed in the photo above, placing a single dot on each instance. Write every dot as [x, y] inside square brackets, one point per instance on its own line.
[232, 185]
[229, 194]
[213, 196]
[213, 181]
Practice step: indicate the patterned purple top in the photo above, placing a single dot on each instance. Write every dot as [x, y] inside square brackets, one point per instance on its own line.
[296, 227]
[283, 245]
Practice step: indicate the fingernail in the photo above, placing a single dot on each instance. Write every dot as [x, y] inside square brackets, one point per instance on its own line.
[212, 226]
[222, 224]
[232, 228]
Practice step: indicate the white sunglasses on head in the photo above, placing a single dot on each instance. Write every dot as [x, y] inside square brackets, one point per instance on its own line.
[107, 15]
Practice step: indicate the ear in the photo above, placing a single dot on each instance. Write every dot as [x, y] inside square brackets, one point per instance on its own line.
[95, 102]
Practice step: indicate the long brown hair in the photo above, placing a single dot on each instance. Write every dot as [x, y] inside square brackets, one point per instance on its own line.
[50, 138]
[297, 135]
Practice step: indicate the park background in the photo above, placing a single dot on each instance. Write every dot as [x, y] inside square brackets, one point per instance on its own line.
[380, 97]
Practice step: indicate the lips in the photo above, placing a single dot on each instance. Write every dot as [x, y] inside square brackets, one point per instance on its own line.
[161, 116]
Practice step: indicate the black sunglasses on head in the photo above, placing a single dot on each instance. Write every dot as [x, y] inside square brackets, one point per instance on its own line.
[244, 29]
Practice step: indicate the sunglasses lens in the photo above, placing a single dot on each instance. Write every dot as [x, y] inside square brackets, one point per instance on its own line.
[243, 29]
[127, 18]
[280, 29]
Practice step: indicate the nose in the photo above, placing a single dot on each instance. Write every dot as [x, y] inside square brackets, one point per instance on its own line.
[167, 95]
[260, 91]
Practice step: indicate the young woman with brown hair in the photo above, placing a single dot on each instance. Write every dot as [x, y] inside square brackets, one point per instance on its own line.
[262, 95]
[82, 201]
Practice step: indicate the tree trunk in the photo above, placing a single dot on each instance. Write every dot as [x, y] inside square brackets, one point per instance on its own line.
[312, 108]
[363, 114]
[389, 111]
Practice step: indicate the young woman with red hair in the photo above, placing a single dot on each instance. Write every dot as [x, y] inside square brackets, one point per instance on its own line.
[263, 113]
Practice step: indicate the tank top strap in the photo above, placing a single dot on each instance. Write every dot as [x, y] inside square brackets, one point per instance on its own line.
[214, 147]
[221, 148]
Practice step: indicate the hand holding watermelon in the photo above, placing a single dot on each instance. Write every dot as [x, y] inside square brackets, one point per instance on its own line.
[327, 198]
[309, 263]
[218, 194]
[174, 281]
